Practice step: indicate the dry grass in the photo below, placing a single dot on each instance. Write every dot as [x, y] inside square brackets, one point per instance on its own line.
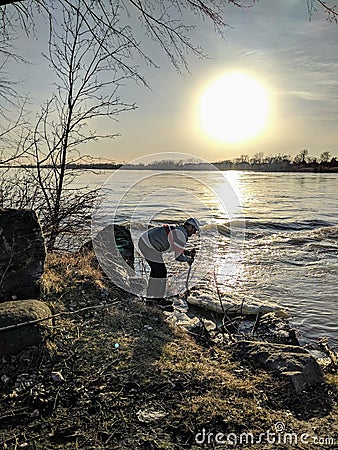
[107, 392]
[63, 270]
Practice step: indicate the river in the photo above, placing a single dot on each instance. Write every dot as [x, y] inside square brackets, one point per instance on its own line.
[272, 236]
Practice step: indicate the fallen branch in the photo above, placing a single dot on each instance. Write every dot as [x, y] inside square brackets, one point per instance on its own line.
[63, 313]
[225, 315]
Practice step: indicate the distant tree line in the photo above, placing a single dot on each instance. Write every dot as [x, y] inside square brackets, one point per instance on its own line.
[301, 162]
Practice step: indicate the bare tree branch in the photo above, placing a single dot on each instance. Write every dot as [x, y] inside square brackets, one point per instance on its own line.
[87, 88]
[330, 9]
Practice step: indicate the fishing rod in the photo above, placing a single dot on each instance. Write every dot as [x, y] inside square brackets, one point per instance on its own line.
[187, 280]
[192, 255]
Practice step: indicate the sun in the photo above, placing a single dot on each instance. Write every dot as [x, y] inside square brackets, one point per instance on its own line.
[234, 108]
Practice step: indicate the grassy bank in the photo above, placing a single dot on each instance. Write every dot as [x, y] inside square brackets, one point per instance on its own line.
[119, 376]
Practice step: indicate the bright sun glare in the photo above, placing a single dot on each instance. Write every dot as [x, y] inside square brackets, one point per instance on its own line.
[234, 108]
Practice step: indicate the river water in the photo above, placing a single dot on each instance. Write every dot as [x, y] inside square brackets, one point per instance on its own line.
[278, 232]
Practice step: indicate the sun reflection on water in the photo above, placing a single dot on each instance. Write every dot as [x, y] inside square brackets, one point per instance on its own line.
[230, 192]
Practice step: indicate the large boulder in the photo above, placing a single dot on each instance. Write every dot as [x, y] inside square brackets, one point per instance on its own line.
[117, 237]
[289, 361]
[114, 250]
[19, 337]
[22, 254]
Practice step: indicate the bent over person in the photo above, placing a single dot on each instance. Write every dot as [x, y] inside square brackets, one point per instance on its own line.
[154, 242]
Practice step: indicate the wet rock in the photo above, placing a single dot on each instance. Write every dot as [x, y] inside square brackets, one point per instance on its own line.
[272, 328]
[15, 312]
[203, 332]
[289, 361]
[22, 254]
[181, 319]
[245, 327]
[209, 300]
[197, 327]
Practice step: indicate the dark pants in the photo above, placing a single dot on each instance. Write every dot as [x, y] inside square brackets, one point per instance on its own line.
[158, 271]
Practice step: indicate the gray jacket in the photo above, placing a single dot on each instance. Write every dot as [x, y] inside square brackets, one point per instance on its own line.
[158, 239]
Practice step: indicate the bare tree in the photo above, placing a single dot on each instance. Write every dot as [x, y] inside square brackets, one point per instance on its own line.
[257, 158]
[12, 105]
[87, 88]
[109, 27]
[92, 49]
[325, 156]
[329, 7]
[92, 52]
[8, 92]
[163, 21]
[13, 133]
[301, 157]
[161, 18]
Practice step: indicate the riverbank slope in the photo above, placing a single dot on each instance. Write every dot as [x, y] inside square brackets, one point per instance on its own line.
[117, 375]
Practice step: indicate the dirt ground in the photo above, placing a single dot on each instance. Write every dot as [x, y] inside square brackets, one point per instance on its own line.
[116, 375]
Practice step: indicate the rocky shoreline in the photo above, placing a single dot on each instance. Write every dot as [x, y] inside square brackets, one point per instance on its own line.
[87, 353]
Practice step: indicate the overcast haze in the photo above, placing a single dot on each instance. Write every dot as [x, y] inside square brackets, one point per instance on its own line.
[295, 59]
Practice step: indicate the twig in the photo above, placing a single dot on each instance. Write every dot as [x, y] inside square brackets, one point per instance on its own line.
[218, 292]
[231, 320]
[225, 313]
[15, 414]
[206, 332]
[103, 370]
[56, 399]
[242, 304]
[254, 328]
[9, 262]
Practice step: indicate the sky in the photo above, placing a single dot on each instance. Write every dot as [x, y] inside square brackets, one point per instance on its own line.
[293, 58]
